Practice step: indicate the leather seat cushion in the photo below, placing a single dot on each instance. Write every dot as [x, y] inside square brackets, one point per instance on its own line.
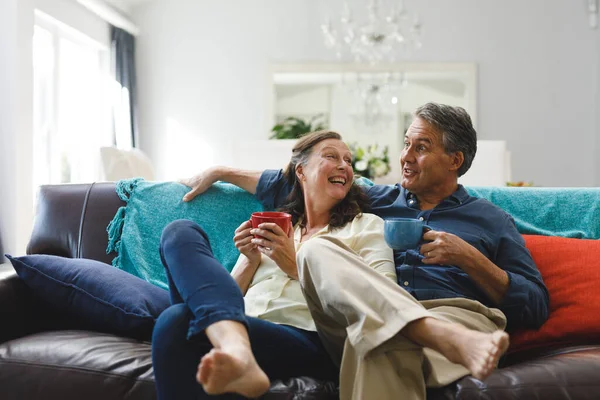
[88, 365]
[76, 365]
[569, 373]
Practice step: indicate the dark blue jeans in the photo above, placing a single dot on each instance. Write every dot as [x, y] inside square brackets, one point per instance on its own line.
[202, 293]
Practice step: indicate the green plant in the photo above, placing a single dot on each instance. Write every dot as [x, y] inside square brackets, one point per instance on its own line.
[294, 127]
[370, 161]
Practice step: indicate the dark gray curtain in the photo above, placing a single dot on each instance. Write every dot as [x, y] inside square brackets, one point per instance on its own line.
[123, 52]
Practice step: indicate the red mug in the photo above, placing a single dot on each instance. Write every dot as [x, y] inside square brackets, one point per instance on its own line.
[280, 218]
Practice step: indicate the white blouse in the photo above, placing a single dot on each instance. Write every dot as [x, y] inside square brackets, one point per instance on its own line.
[276, 297]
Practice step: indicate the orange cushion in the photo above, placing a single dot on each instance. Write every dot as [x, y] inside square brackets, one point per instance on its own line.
[571, 272]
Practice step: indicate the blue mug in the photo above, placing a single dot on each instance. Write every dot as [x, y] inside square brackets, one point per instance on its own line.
[404, 233]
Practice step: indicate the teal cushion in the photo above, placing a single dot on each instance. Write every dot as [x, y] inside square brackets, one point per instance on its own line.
[100, 297]
[135, 231]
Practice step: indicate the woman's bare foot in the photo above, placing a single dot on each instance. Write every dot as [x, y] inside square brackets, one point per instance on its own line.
[478, 352]
[232, 371]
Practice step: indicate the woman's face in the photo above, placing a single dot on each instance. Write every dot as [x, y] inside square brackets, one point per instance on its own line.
[327, 176]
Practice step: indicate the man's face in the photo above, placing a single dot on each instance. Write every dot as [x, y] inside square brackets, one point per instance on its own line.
[425, 165]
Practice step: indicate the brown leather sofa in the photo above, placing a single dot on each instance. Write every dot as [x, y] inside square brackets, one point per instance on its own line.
[46, 356]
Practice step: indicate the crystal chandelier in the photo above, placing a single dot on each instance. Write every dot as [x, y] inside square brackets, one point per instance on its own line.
[376, 40]
[376, 97]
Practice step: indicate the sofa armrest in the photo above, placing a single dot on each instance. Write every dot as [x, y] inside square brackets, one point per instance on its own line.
[15, 305]
[21, 313]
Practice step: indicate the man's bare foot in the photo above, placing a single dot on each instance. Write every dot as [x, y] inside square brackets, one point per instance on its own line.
[232, 371]
[478, 352]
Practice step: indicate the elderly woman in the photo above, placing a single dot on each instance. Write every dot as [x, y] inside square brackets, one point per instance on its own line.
[234, 333]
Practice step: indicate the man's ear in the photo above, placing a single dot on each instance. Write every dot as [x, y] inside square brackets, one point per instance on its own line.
[457, 159]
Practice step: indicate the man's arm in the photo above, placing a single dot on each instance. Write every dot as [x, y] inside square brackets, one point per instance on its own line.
[488, 276]
[448, 249]
[512, 280]
[247, 180]
[526, 303]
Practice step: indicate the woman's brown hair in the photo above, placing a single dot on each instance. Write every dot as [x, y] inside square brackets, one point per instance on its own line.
[343, 212]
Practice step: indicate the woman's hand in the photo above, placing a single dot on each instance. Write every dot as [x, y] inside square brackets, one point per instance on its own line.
[278, 246]
[243, 242]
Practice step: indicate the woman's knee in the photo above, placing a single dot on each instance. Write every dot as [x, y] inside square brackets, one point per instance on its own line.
[181, 231]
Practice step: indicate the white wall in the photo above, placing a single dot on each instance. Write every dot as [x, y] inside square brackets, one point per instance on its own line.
[202, 75]
[16, 110]
[597, 143]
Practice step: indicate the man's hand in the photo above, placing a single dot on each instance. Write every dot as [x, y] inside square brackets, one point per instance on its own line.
[246, 180]
[448, 249]
[278, 246]
[444, 248]
[199, 183]
[243, 242]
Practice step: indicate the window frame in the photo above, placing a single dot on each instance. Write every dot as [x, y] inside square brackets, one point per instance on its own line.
[59, 31]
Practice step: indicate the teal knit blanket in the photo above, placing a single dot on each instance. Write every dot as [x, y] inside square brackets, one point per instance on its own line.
[567, 212]
[135, 231]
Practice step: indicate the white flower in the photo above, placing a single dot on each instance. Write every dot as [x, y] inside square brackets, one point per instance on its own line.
[361, 165]
[377, 152]
[379, 168]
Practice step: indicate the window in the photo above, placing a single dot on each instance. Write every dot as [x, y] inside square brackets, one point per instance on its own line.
[72, 110]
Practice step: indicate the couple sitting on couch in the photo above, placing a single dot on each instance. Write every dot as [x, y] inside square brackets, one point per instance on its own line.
[322, 296]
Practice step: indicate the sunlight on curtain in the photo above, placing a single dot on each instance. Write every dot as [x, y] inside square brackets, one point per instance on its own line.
[122, 116]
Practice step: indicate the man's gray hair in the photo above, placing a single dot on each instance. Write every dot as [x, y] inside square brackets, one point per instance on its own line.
[456, 128]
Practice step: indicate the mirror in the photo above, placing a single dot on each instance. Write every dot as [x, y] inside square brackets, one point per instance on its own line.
[370, 105]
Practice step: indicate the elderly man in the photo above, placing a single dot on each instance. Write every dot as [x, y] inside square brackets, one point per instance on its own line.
[473, 268]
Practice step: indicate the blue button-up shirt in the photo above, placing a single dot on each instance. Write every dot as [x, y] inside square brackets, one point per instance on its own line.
[477, 221]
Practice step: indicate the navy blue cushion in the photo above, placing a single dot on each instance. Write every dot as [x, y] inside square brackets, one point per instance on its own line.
[102, 297]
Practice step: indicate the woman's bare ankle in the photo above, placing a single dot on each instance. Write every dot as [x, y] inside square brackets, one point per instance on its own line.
[228, 334]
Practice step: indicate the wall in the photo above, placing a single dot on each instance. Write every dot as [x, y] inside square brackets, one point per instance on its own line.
[597, 103]
[203, 64]
[16, 109]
